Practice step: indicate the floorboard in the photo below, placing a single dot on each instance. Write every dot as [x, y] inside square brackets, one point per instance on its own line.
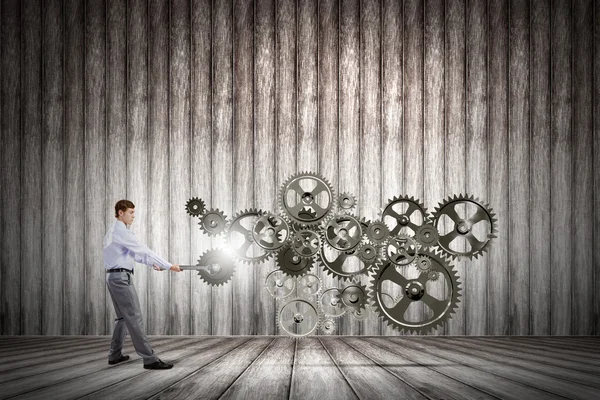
[316, 367]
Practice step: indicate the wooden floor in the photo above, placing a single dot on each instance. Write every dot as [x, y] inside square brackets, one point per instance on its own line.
[412, 367]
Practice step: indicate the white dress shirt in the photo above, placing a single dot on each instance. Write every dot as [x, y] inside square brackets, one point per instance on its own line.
[122, 249]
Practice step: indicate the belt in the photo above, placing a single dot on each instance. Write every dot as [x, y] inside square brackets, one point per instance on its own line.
[108, 271]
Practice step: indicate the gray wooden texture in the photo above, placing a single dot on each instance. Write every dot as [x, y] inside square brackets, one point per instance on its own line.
[272, 367]
[159, 101]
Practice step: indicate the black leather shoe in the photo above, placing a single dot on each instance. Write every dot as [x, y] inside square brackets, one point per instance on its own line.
[118, 360]
[158, 365]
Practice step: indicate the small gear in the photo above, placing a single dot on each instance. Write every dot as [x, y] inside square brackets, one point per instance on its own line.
[241, 240]
[404, 215]
[328, 326]
[377, 232]
[361, 313]
[271, 232]
[427, 235]
[415, 291]
[220, 267]
[343, 232]
[194, 206]
[433, 275]
[306, 199]
[298, 318]
[306, 243]
[354, 296]
[213, 222]
[331, 304]
[308, 285]
[402, 250]
[346, 202]
[423, 263]
[368, 253]
[474, 218]
[279, 285]
[291, 263]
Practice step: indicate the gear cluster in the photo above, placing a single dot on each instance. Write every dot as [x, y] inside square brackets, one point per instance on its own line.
[405, 255]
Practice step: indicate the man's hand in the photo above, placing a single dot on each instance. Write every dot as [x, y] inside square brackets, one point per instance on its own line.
[156, 267]
[175, 268]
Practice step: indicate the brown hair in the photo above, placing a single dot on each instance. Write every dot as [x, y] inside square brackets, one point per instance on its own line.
[122, 205]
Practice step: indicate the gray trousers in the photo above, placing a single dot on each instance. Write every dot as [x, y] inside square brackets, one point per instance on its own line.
[129, 318]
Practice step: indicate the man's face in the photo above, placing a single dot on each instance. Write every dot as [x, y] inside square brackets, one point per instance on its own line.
[127, 216]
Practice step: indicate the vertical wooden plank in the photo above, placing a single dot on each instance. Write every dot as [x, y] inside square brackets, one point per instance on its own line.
[476, 152]
[349, 125]
[53, 181]
[265, 192]
[31, 169]
[137, 134]
[539, 156]
[392, 128]
[518, 159]
[159, 302]
[243, 312]
[10, 321]
[413, 118]
[561, 228]
[179, 161]
[116, 126]
[582, 267]
[434, 118]
[328, 97]
[307, 86]
[370, 125]
[498, 289]
[222, 130]
[201, 168]
[596, 165]
[455, 127]
[94, 165]
[74, 287]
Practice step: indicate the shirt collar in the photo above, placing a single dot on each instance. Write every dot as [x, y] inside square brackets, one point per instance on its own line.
[121, 224]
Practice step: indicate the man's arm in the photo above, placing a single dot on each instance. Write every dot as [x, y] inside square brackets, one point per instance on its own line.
[141, 253]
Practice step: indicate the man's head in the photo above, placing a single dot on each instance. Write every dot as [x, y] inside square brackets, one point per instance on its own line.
[125, 211]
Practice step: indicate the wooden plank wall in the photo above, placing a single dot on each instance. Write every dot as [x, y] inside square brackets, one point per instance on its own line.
[158, 101]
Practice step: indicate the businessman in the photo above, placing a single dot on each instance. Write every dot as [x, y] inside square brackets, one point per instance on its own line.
[121, 251]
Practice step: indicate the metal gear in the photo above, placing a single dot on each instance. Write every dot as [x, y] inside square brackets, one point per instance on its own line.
[221, 267]
[475, 217]
[361, 313]
[298, 318]
[377, 232]
[433, 275]
[271, 232]
[241, 240]
[331, 304]
[328, 326]
[306, 243]
[346, 202]
[404, 215]
[343, 232]
[354, 296]
[308, 285]
[402, 250]
[427, 235]
[194, 207]
[423, 263]
[279, 285]
[306, 198]
[338, 267]
[415, 290]
[213, 222]
[291, 263]
[368, 253]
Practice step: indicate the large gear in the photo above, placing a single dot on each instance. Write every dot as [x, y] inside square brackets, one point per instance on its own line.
[213, 222]
[343, 232]
[194, 207]
[401, 250]
[291, 263]
[279, 285]
[404, 215]
[308, 285]
[271, 232]
[306, 243]
[415, 291]
[338, 266]
[240, 239]
[306, 199]
[475, 218]
[298, 318]
[220, 267]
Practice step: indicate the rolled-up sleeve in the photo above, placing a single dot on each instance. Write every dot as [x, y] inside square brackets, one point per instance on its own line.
[141, 253]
